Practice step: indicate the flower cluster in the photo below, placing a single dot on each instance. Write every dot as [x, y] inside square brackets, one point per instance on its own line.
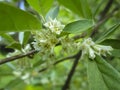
[54, 25]
[69, 46]
[46, 39]
[91, 49]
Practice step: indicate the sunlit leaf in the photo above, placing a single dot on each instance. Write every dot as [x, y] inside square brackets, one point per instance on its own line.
[78, 26]
[80, 7]
[41, 6]
[14, 19]
[7, 37]
[52, 13]
[26, 37]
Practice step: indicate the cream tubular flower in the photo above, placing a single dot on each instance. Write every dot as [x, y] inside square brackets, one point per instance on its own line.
[103, 50]
[54, 25]
[91, 49]
[91, 53]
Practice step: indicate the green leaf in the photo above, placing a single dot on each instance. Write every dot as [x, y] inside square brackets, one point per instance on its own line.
[107, 33]
[52, 13]
[20, 37]
[100, 70]
[78, 26]
[29, 87]
[110, 75]
[86, 9]
[41, 6]
[7, 37]
[16, 20]
[5, 80]
[16, 83]
[115, 53]
[26, 38]
[115, 43]
[15, 45]
[80, 7]
[95, 78]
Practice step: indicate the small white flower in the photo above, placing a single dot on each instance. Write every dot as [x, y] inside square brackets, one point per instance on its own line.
[103, 49]
[90, 48]
[26, 49]
[17, 73]
[54, 25]
[26, 76]
[91, 53]
[44, 81]
[43, 41]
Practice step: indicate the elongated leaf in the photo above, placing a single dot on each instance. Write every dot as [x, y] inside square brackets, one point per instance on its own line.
[80, 7]
[116, 53]
[4, 82]
[95, 78]
[26, 38]
[105, 72]
[111, 75]
[52, 13]
[16, 83]
[78, 26]
[15, 45]
[86, 9]
[7, 37]
[107, 33]
[20, 37]
[115, 43]
[41, 6]
[13, 19]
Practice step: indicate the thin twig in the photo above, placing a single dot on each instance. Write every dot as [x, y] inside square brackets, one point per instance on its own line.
[103, 20]
[16, 57]
[106, 9]
[59, 61]
[103, 17]
[72, 71]
[79, 36]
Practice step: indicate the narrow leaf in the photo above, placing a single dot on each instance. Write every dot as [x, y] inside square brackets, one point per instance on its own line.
[7, 37]
[116, 53]
[107, 33]
[80, 7]
[110, 75]
[95, 78]
[15, 45]
[26, 38]
[78, 26]
[115, 43]
[52, 13]
[41, 6]
[102, 76]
